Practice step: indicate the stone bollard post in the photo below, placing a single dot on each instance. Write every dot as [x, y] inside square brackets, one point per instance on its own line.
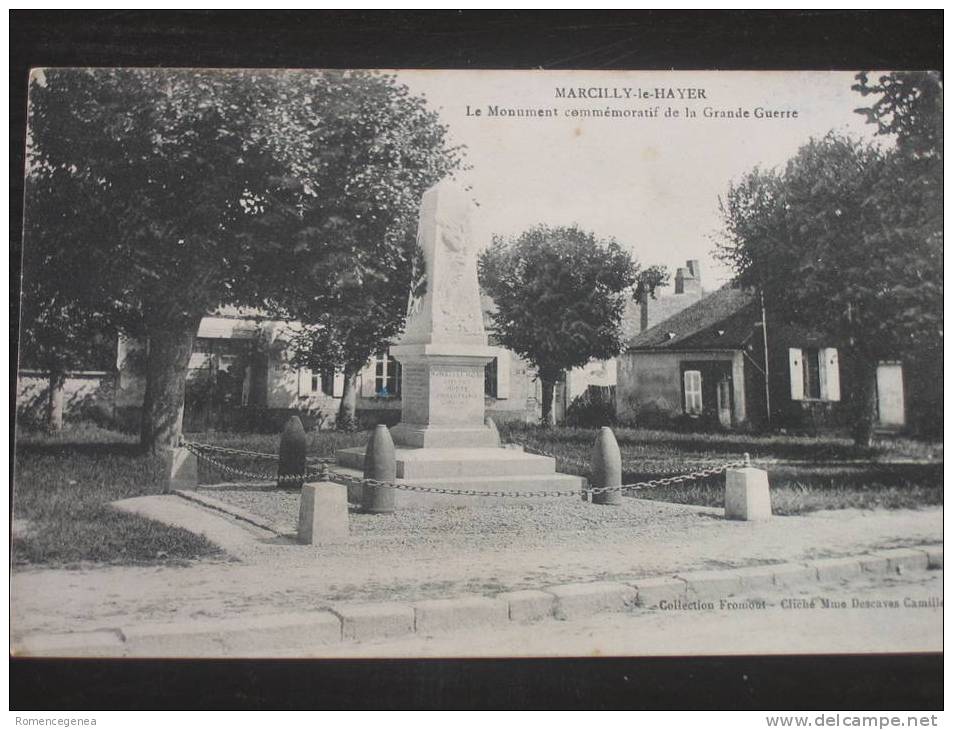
[183, 469]
[380, 462]
[747, 496]
[606, 467]
[292, 453]
[322, 516]
[491, 424]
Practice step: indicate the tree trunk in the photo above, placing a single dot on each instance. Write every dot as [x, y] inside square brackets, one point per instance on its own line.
[54, 413]
[347, 410]
[865, 402]
[167, 367]
[549, 415]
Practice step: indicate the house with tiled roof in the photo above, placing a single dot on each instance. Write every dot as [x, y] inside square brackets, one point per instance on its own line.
[721, 362]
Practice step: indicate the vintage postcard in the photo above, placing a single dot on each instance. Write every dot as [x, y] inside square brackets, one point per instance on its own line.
[419, 363]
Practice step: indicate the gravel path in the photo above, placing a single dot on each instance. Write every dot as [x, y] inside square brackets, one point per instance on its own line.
[537, 522]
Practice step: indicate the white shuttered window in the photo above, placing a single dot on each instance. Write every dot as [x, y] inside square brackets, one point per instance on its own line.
[693, 392]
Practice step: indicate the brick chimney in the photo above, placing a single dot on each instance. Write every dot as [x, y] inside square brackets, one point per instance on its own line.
[688, 279]
[688, 290]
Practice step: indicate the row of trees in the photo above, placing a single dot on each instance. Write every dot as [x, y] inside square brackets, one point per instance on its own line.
[155, 196]
[847, 238]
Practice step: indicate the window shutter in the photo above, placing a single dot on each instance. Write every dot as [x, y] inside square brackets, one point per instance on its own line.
[367, 380]
[502, 373]
[304, 382]
[830, 374]
[797, 373]
[338, 390]
[692, 384]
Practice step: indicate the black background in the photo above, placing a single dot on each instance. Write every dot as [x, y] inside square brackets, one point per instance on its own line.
[846, 40]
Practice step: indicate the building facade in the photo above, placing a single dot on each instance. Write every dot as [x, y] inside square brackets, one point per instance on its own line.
[721, 363]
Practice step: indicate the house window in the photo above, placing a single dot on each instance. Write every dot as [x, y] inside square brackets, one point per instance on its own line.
[815, 373]
[693, 392]
[811, 365]
[490, 378]
[327, 382]
[315, 383]
[386, 375]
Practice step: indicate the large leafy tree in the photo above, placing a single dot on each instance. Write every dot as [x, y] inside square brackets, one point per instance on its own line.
[907, 213]
[560, 295]
[351, 215]
[165, 166]
[833, 242]
[200, 188]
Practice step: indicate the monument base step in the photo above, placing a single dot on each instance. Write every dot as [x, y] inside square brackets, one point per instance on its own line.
[457, 462]
[519, 483]
[410, 435]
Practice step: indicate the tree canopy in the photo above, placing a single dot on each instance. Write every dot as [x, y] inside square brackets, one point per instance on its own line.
[560, 294]
[846, 238]
[192, 189]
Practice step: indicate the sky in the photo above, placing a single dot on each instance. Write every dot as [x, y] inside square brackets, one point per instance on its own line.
[652, 183]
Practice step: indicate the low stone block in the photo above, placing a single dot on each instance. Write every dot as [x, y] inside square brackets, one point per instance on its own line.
[746, 494]
[934, 555]
[247, 635]
[653, 590]
[529, 605]
[832, 569]
[794, 574]
[183, 469]
[361, 622]
[323, 516]
[73, 644]
[873, 563]
[755, 577]
[711, 583]
[453, 614]
[901, 560]
[578, 600]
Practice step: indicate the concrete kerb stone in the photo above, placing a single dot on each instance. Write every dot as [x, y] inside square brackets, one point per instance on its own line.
[793, 574]
[234, 636]
[449, 614]
[901, 560]
[578, 600]
[529, 605]
[651, 591]
[934, 555]
[832, 569]
[711, 583]
[873, 563]
[105, 642]
[360, 622]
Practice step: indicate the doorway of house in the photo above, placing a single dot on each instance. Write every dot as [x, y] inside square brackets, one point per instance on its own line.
[707, 391]
[890, 395]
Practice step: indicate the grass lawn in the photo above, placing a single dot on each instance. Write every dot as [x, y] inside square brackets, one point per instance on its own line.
[63, 485]
[806, 473]
[62, 488]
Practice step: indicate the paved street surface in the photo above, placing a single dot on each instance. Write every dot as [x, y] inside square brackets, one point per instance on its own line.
[869, 627]
[268, 576]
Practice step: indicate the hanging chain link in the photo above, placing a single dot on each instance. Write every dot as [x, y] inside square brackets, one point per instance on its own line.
[328, 474]
[200, 451]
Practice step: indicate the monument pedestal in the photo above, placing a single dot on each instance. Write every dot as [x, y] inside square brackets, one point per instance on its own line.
[442, 401]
